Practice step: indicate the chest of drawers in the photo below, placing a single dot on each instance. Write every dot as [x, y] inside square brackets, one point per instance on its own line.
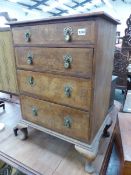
[64, 70]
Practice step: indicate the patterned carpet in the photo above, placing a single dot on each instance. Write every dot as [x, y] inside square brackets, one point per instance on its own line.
[8, 170]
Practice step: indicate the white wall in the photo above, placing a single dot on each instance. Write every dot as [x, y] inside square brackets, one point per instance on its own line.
[123, 12]
[16, 11]
[117, 9]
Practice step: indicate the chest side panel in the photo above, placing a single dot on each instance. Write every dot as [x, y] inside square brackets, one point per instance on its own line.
[103, 67]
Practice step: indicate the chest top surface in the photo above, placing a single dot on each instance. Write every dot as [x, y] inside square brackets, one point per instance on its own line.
[79, 17]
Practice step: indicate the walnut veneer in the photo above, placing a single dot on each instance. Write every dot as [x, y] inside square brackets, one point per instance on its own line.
[64, 70]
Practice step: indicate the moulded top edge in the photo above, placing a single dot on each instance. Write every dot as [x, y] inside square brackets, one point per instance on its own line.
[101, 14]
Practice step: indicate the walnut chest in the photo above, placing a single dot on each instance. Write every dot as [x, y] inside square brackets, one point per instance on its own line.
[64, 70]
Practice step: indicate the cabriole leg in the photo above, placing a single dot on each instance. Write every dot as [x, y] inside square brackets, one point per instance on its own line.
[90, 156]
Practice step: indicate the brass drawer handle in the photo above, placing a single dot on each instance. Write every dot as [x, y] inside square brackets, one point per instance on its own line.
[29, 59]
[67, 91]
[67, 34]
[67, 122]
[30, 80]
[67, 61]
[27, 36]
[34, 111]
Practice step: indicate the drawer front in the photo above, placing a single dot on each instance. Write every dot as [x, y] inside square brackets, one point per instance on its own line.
[75, 61]
[65, 120]
[71, 91]
[73, 32]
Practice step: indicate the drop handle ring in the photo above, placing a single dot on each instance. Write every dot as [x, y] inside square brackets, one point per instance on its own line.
[68, 121]
[29, 59]
[67, 91]
[27, 36]
[30, 80]
[67, 61]
[34, 111]
[67, 34]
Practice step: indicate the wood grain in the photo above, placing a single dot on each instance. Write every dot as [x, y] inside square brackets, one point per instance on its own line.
[52, 116]
[51, 88]
[89, 79]
[103, 66]
[54, 33]
[52, 59]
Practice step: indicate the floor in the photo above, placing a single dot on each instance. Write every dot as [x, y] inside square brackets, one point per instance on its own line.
[114, 164]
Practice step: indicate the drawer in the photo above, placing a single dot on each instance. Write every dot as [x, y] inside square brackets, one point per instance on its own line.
[65, 120]
[72, 61]
[59, 33]
[71, 91]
